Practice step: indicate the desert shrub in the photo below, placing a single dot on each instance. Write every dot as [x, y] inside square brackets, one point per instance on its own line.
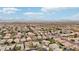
[72, 40]
[60, 31]
[75, 35]
[51, 41]
[13, 42]
[6, 43]
[17, 48]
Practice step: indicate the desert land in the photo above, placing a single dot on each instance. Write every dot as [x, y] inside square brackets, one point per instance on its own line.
[39, 36]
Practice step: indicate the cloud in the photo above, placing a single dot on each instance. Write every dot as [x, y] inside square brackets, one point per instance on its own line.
[50, 10]
[53, 9]
[46, 9]
[8, 10]
[33, 13]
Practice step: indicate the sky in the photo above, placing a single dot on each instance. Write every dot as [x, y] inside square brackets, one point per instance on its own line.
[39, 13]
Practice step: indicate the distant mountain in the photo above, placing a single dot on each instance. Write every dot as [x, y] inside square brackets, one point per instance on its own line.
[39, 21]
